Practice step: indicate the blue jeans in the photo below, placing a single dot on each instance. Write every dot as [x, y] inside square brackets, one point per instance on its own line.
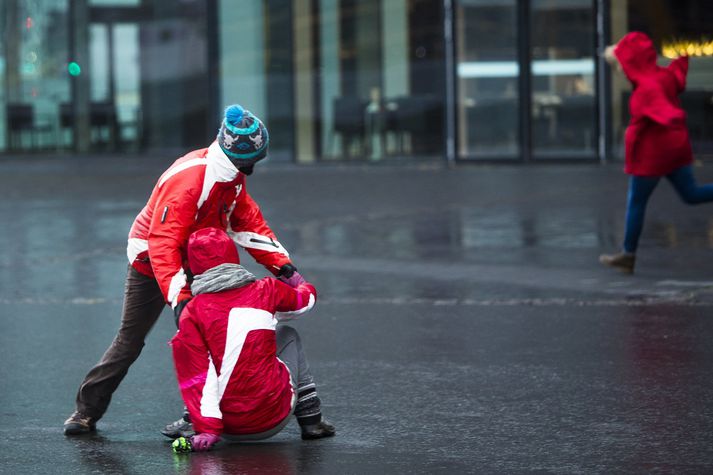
[640, 189]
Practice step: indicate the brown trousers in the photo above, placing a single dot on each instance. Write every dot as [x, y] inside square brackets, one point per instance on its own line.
[143, 303]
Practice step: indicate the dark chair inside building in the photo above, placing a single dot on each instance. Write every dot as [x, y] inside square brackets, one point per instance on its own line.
[349, 123]
[575, 123]
[397, 112]
[102, 121]
[491, 123]
[66, 124]
[20, 126]
[416, 121]
[102, 124]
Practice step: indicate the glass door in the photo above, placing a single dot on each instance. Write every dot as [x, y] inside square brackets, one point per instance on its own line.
[33, 74]
[351, 79]
[487, 75]
[114, 78]
[526, 79]
[563, 104]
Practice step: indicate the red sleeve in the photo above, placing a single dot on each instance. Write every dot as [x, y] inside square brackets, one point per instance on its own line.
[173, 216]
[679, 68]
[292, 302]
[197, 378]
[250, 231]
[650, 101]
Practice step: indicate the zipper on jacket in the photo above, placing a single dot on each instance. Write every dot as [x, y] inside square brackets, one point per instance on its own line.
[271, 242]
[163, 216]
[224, 215]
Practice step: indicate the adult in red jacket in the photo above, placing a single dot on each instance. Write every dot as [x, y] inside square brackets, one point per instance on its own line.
[656, 140]
[205, 188]
[239, 373]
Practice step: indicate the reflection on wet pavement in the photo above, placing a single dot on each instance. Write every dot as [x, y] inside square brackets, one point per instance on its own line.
[464, 325]
[469, 232]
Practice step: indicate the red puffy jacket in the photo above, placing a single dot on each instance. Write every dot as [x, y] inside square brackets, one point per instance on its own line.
[656, 139]
[202, 189]
[225, 350]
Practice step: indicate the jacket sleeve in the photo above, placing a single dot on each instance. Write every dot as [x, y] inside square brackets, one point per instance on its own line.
[197, 377]
[173, 216]
[293, 302]
[250, 231]
[679, 68]
[650, 102]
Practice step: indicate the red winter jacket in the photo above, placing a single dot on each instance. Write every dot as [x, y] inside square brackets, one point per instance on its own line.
[656, 139]
[202, 189]
[225, 350]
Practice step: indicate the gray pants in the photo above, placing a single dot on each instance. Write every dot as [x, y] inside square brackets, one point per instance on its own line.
[143, 303]
[289, 351]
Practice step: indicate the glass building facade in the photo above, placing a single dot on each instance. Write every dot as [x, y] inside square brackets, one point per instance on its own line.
[339, 80]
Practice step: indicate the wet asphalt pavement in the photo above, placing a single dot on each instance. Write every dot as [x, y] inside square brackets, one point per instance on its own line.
[464, 324]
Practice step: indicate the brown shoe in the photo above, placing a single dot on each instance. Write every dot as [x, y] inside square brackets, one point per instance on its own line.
[623, 261]
[78, 424]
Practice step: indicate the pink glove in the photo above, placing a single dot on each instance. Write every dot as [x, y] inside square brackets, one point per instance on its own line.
[295, 280]
[204, 441]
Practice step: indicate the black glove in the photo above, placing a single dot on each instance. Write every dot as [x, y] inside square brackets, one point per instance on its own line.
[178, 309]
[286, 271]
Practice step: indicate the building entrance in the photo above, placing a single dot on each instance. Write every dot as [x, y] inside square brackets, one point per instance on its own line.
[526, 79]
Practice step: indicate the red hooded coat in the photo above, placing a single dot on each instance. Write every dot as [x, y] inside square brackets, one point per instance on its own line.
[225, 350]
[656, 139]
[200, 190]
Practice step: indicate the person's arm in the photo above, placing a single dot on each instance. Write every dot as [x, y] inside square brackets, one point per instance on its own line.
[197, 377]
[250, 230]
[649, 101]
[172, 219]
[679, 68]
[293, 297]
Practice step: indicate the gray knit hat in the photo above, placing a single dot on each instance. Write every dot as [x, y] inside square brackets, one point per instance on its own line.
[243, 137]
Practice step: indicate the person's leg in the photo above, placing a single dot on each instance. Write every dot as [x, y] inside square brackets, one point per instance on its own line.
[308, 410]
[685, 185]
[143, 303]
[640, 189]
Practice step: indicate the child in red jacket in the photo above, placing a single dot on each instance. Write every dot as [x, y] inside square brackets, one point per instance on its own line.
[242, 376]
[656, 139]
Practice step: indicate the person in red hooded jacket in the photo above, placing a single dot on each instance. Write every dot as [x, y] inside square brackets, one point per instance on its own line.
[240, 374]
[205, 188]
[656, 141]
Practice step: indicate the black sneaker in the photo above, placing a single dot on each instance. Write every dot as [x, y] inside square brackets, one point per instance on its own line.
[318, 431]
[78, 424]
[179, 428]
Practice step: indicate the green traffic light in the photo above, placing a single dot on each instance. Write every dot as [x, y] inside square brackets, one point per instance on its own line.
[74, 69]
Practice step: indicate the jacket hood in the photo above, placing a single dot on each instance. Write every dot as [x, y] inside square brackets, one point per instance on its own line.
[210, 247]
[637, 55]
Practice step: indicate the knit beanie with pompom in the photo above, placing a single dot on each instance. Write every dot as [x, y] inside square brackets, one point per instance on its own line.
[243, 137]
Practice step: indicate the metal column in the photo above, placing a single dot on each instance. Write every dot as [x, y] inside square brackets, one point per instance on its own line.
[603, 81]
[79, 53]
[450, 83]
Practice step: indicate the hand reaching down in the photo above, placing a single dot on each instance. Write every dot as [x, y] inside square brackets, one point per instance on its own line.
[203, 442]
